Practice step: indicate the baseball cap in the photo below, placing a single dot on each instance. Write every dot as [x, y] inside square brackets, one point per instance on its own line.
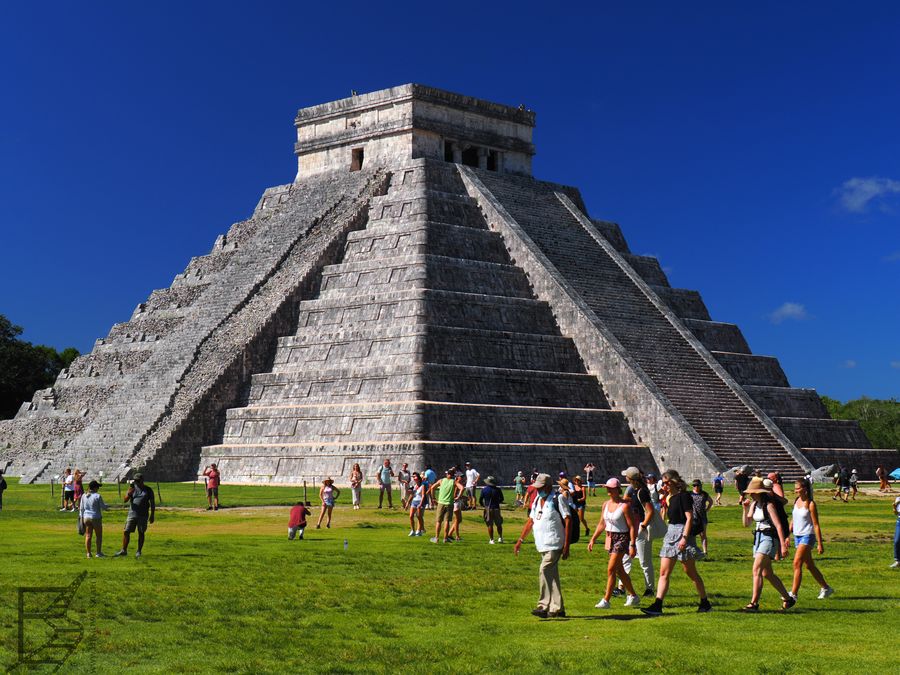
[632, 473]
[612, 483]
[541, 480]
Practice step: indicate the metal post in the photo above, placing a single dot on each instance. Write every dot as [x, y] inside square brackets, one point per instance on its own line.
[304, 492]
[51, 487]
[159, 494]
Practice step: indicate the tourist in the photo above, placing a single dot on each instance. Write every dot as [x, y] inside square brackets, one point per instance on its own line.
[356, 481]
[491, 498]
[429, 479]
[637, 494]
[448, 488]
[416, 506]
[472, 477]
[841, 486]
[719, 487]
[702, 504]
[741, 481]
[384, 475]
[882, 476]
[777, 486]
[807, 534]
[460, 504]
[678, 544]
[403, 478]
[213, 478]
[896, 562]
[141, 512]
[78, 485]
[621, 533]
[2, 488]
[327, 494]
[297, 520]
[550, 519]
[579, 500]
[854, 488]
[519, 482]
[654, 493]
[769, 538]
[68, 495]
[589, 470]
[662, 489]
[90, 510]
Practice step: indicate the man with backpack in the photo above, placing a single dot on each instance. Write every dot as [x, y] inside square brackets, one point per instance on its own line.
[551, 519]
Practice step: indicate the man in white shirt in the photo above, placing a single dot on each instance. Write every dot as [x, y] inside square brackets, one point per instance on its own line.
[551, 521]
[472, 477]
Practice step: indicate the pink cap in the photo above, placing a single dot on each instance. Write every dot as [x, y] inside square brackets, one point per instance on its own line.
[612, 483]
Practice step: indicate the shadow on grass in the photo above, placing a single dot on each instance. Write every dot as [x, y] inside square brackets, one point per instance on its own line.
[608, 617]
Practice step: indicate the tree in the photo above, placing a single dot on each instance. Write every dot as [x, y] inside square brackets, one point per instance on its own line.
[25, 368]
[880, 419]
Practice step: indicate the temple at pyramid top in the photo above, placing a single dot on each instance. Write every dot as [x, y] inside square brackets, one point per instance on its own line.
[412, 121]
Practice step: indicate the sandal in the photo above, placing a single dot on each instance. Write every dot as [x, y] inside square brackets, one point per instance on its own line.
[750, 607]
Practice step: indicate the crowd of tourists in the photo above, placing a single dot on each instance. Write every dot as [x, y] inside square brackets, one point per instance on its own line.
[638, 509]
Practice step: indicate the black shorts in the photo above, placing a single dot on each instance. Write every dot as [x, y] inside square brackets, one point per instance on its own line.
[212, 492]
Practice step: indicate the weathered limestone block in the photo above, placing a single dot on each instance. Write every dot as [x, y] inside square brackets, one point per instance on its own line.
[788, 402]
[824, 433]
[685, 303]
[649, 269]
[752, 369]
[718, 337]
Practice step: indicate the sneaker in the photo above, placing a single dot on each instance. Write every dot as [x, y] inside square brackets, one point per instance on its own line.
[540, 613]
[632, 601]
[490, 541]
[209, 508]
[433, 540]
[618, 592]
[793, 595]
[137, 555]
[412, 533]
[561, 614]
[649, 593]
[88, 555]
[64, 509]
[103, 555]
[447, 540]
[500, 540]
[328, 525]
[826, 592]
[704, 606]
[215, 508]
[120, 553]
[603, 604]
[653, 610]
[894, 565]
[787, 604]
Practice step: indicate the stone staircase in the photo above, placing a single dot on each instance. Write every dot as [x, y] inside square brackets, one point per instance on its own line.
[425, 344]
[732, 430]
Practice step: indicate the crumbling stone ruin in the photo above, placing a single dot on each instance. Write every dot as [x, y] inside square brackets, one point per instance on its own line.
[415, 293]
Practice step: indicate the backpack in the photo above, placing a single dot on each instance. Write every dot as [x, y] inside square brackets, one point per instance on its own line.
[574, 530]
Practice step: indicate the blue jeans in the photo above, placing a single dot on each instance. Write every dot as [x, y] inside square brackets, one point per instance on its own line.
[897, 541]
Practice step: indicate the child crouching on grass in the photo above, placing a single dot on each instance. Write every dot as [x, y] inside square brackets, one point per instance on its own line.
[297, 522]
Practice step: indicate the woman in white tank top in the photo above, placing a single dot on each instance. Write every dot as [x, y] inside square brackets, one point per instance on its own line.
[621, 535]
[807, 533]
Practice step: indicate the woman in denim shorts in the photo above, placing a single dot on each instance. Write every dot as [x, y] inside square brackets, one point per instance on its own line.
[807, 534]
[769, 538]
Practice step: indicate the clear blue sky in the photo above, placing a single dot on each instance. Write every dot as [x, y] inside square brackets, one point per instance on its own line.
[752, 146]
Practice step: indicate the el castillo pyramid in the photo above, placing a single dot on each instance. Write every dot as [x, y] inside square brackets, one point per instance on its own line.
[416, 294]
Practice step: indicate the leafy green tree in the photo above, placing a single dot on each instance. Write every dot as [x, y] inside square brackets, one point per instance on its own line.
[25, 368]
[880, 419]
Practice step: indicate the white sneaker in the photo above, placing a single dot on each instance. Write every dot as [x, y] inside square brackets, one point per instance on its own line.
[500, 540]
[826, 592]
[412, 533]
[88, 555]
[895, 564]
[420, 533]
[433, 540]
[793, 595]
[603, 604]
[633, 601]
[137, 555]
[100, 555]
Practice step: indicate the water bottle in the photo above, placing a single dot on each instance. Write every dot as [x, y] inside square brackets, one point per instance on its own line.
[345, 544]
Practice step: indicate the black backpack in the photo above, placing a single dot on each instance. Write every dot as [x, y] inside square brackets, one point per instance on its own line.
[574, 530]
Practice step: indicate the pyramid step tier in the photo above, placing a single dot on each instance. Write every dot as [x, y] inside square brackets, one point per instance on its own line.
[425, 420]
[312, 462]
[313, 347]
[429, 381]
[421, 272]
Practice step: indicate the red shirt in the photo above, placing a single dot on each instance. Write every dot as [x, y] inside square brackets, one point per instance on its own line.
[213, 476]
[298, 515]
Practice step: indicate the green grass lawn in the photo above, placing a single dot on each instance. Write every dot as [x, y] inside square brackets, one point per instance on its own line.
[226, 591]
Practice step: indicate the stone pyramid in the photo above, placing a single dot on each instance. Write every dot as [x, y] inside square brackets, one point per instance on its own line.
[416, 294]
